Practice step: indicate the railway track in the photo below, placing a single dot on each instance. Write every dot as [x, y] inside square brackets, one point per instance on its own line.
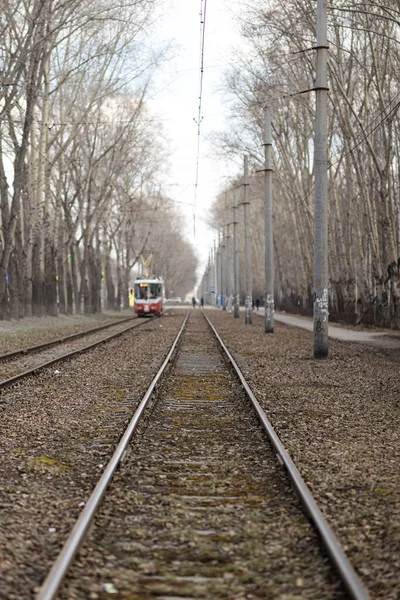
[20, 363]
[61, 340]
[201, 507]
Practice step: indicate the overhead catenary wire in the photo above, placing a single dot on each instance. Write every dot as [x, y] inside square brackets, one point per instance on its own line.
[199, 115]
[363, 134]
[371, 131]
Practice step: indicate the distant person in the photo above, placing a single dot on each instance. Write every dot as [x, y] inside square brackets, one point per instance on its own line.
[194, 302]
[258, 303]
[202, 301]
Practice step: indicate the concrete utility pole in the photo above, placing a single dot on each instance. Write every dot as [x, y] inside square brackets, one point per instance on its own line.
[215, 278]
[269, 240]
[247, 258]
[207, 282]
[235, 257]
[228, 258]
[218, 291]
[320, 320]
[225, 270]
[221, 278]
[210, 279]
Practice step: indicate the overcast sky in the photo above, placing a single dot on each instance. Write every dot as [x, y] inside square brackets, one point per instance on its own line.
[177, 104]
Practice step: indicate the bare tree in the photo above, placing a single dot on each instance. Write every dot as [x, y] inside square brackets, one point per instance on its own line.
[364, 70]
[78, 152]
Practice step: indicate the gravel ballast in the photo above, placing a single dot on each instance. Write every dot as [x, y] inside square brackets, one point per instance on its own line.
[201, 507]
[30, 360]
[38, 330]
[339, 421]
[58, 431]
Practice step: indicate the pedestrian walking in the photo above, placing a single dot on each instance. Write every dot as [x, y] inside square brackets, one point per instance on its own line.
[202, 301]
[194, 302]
[258, 303]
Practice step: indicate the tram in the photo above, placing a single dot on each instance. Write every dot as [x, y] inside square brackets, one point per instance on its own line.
[149, 296]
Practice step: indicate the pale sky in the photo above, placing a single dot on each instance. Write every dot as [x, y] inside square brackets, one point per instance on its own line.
[177, 104]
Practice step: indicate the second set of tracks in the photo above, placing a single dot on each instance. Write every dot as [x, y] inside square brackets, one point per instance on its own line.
[201, 507]
[21, 363]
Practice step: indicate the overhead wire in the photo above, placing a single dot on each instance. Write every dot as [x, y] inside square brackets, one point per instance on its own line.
[371, 131]
[365, 133]
[199, 115]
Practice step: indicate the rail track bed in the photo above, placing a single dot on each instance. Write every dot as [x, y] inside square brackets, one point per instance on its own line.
[339, 419]
[188, 507]
[14, 365]
[201, 507]
[58, 430]
[30, 331]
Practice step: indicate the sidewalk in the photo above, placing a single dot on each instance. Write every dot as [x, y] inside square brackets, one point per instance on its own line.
[372, 338]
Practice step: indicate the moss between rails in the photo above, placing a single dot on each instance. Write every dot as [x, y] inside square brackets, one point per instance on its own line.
[382, 491]
[8, 374]
[115, 392]
[48, 463]
[201, 388]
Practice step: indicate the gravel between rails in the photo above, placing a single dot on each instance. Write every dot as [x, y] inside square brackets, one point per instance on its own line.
[200, 507]
[340, 421]
[36, 330]
[21, 363]
[58, 430]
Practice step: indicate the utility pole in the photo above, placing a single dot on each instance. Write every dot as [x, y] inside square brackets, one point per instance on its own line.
[212, 276]
[225, 269]
[247, 258]
[221, 278]
[215, 278]
[320, 318]
[235, 258]
[269, 241]
[218, 269]
[207, 283]
[228, 258]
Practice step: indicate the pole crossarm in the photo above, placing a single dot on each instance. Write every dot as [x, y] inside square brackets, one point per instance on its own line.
[314, 89]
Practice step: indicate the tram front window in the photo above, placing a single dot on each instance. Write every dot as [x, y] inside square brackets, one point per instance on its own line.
[155, 290]
[141, 291]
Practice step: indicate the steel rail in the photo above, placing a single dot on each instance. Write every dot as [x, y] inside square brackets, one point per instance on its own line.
[60, 567]
[68, 338]
[346, 571]
[11, 380]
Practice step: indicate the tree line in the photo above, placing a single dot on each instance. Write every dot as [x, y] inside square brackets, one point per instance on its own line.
[81, 158]
[364, 175]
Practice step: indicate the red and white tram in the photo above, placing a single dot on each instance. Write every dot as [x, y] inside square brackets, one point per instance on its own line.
[149, 296]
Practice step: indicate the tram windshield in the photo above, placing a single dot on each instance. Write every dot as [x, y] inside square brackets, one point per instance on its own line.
[155, 290]
[146, 291]
[141, 291]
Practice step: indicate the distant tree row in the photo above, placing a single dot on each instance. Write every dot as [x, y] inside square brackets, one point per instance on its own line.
[364, 148]
[81, 158]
